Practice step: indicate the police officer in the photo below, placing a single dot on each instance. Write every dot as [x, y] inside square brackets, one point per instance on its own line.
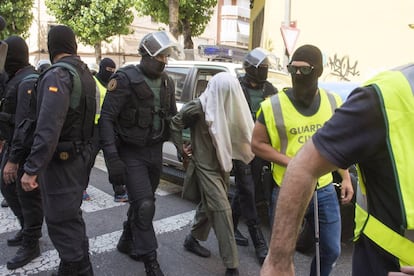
[133, 125]
[106, 68]
[60, 154]
[27, 206]
[248, 176]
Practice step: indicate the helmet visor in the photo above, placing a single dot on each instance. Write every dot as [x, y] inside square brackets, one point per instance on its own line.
[260, 56]
[160, 43]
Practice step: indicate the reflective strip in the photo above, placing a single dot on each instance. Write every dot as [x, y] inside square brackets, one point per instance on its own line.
[397, 245]
[278, 116]
[408, 72]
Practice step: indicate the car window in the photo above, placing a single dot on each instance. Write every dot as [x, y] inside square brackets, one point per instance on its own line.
[203, 76]
[178, 75]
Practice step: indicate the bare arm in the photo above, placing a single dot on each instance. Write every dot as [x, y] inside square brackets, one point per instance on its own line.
[262, 147]
[296, 191]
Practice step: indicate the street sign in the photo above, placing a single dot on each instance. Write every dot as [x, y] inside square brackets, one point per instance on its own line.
[290, 36]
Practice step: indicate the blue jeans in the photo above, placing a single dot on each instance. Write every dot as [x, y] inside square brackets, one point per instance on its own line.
[329, 226]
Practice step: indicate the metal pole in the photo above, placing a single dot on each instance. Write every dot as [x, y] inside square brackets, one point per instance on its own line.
[287, 24]
[316, 220]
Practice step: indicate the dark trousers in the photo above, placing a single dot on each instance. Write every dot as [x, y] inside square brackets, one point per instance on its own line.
[144, 167]
[62, 184]
[26, 206]
[244, 200]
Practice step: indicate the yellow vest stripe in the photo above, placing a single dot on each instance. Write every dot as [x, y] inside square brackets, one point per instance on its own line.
[100, 95]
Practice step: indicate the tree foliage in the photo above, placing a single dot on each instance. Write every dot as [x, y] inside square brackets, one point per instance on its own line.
[94, 21]
[193, 17]
[18, 16]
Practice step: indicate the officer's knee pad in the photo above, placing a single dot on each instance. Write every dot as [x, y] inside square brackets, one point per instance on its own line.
[143, 214]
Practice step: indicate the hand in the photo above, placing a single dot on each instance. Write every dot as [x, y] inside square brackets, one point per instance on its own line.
[10, 172]
[347, 191]
[187, 153]
[271, 269]
[116, 169]
[29, 182]
[405, 270]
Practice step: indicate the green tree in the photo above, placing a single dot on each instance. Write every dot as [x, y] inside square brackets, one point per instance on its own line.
[18, 16]
[94, 21]
[193, 16]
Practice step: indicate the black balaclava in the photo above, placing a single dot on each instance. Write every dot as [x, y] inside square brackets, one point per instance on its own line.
[61, 39]
[151, 67]
[17, 55]
[103, 75]
[306, 86]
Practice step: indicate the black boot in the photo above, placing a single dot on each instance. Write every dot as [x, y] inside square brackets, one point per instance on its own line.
[25, 254]
[81, 268]
[152, 267]
[258, 241]
[17, 239]
[240, 239]
[126, 245]
[232, 272]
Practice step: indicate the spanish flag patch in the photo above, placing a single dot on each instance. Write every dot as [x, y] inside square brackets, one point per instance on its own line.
[53, 89]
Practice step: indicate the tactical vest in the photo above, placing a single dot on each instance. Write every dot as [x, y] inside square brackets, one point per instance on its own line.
[279, 112]
[267, 90]
[9, 103]
[135, 122]
[79, 123]
[395, 90]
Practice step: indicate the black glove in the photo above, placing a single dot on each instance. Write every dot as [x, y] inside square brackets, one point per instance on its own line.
[116, 170]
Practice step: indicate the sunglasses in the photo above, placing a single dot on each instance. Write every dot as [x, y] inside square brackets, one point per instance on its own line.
[304, 70]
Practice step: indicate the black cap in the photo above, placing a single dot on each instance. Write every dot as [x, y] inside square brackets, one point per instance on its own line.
[61, 39]
[17, 54]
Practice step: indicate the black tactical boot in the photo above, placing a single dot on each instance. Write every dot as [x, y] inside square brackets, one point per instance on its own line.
[126, 245]
[17, 239]
[25, 254]
[232, 272]
[152, 268]
[240, 239]
[192, 245]
[258, 241]
[81, 268]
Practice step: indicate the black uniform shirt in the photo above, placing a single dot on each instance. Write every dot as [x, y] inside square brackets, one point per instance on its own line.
[356, 134]
[53, 100]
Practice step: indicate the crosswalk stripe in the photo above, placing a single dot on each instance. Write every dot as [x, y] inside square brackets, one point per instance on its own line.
[8, 221]
[49, 260]
[99, 201]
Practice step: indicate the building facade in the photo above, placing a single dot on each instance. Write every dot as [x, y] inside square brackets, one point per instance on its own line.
[357, 38]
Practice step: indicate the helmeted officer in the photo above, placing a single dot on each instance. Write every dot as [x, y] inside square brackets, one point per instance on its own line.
[248, 176]
[133, 125]
[27, 206]
[59, 157]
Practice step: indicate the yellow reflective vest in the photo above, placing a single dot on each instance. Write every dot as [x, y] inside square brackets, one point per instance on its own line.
[100, 95]
[288, 129]
[395, 92]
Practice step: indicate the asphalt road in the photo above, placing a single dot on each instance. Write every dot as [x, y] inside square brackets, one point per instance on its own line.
[172, 222]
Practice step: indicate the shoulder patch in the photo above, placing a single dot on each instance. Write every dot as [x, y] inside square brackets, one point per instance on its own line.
[53, 89]
[112, 85]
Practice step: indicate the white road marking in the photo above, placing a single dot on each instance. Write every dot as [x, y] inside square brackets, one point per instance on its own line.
[99, 200]
[8, 221]
[49, 260]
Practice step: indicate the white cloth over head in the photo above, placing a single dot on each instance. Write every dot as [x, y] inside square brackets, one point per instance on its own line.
[229, 119]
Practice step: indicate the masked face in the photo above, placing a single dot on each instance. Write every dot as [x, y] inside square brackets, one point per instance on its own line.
[151, 66]
[304, 81]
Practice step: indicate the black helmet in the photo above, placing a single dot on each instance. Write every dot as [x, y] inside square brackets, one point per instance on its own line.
[256, 64]
[156, 43]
